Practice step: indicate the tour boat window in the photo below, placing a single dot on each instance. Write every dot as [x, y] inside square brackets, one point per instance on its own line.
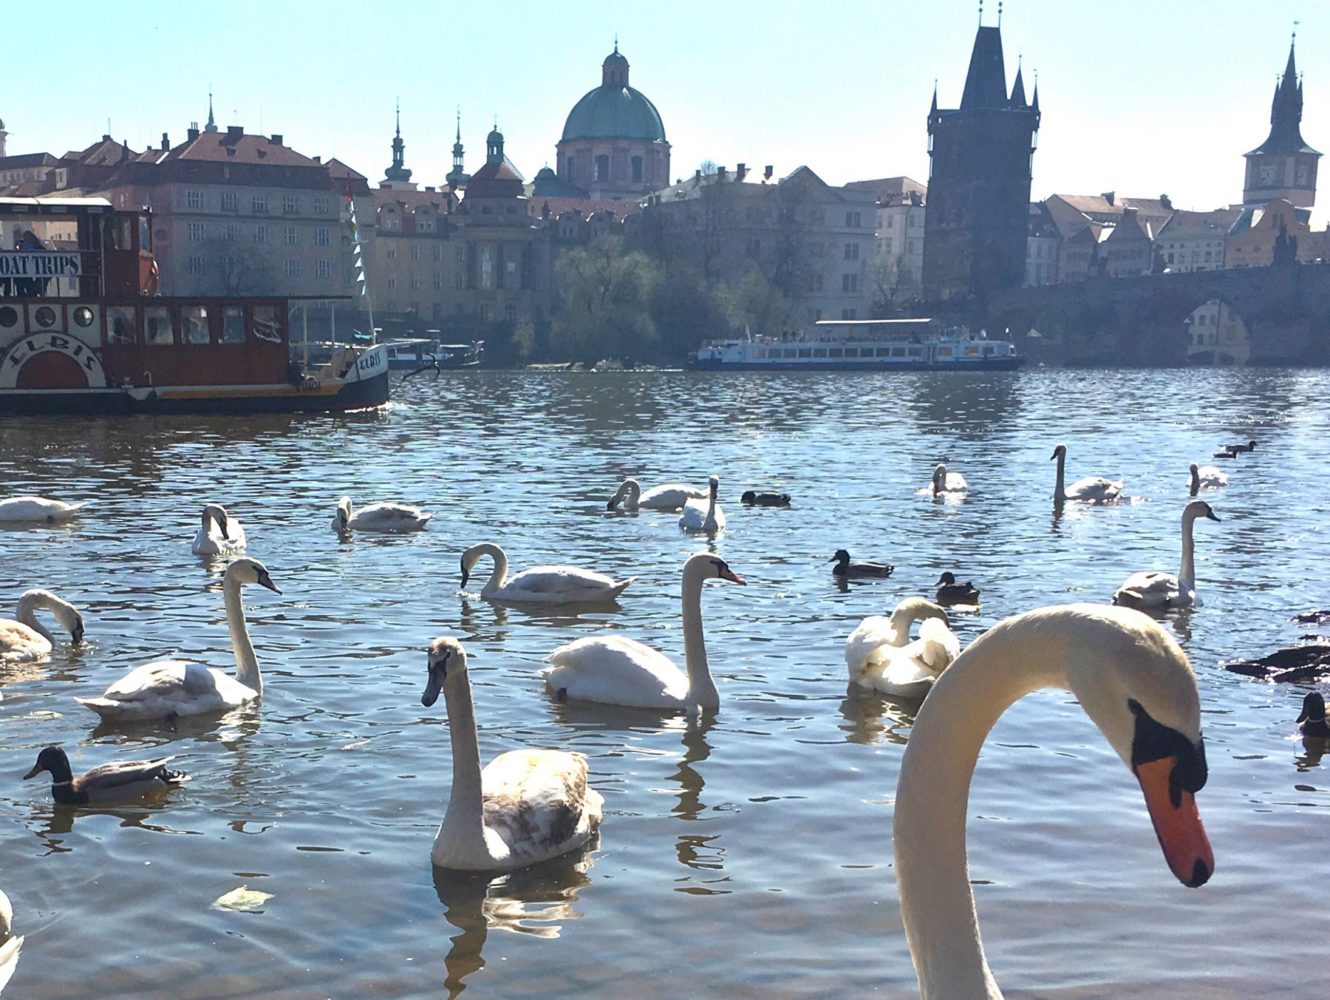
[916, 352]
[820, 352]
[157, 326]
[194, 322]
[944, 352]
[805, 352]
[145, 233]
[896, 352]
[851, 352]
[233, 325]
[83, 316]
[8, 317]
[265, 324]
[836, 352]
[44, 316]
[120, 325]
[790, 352]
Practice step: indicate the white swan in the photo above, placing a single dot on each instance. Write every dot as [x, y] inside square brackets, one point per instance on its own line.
[540, 584]
[613, 670]
[667, 496]
[9, 946]
[218, 534]
[1091, 489]
[38, 509]
[946, 482]
[25, 639]
[383, 516]
[1152, 589]
[1132, 680]
[178, 687]
[705, 515]
[524, 807]
[1206, 477]
[880, 655]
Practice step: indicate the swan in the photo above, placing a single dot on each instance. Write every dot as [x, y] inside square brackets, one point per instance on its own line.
[384, 516]
[9, 946]
[1311, 721]
[879, 654]
[128, 779]
[1206, 477]
[845, 566]
[668, 496]
[1152, 589]
[540, 584]
[524, 807]
[1091, 489]
[178, 687]
[946, 482]
[951, 592]
[228, 538]
[1133, 681]
[38, 509]
[26, 639]
[613, 670]
[698, 516]
[756, 498]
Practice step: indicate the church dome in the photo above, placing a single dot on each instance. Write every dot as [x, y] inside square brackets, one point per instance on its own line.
[614, 110]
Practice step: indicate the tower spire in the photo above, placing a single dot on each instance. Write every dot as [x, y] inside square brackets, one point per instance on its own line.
[212, 122]
[457, 177]
[397, 173]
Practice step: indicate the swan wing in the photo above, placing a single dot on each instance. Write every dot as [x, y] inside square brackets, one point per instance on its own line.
[1094, 488]
[614, 670]
[166, 686]
[864, 646]
[670, 496]
[561, 583]
[20, 643]
[956, 483]
[29, 508]
[1212, 477]
[212, 543]
[694, 516]
[539, 804]
[1151, 590]
[9, 959]
[389, 516]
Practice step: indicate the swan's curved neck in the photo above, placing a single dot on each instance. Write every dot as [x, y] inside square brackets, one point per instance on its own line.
[710, 522]
[27, 615]
[463, 821]
[247, 664]
[500, 572]
[701, 687]
[1187, 572]
[1059, 489]
[1195, 481]
[631, 492]
[932, 795]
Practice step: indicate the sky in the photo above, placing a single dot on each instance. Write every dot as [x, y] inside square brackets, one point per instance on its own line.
[1142, 98]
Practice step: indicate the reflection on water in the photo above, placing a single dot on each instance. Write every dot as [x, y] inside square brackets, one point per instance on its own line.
[874, 718]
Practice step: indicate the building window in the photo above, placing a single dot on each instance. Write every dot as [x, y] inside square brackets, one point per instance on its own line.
[851, 251]
[392, 281]
[637, 169]
[602, 167]
[415, 252]
[891, 222]
[568, 168]
[194, 200]
[321, 237]
[886, 244]
[849, 282]
[261, 233]
[292, 267]
[438, 280]
[415, 281]
[424, 225]
[436, 253]
[232, 232]
[292, 236]
[321, 205]
[322, 269]
[392, 224]
[852, 220]
[260, 204]
[290, 204]
[849, 314]
[194, 265]
[391, 251]
[198, 232]
[230, 202]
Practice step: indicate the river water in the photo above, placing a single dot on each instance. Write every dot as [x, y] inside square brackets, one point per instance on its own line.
[748, 856]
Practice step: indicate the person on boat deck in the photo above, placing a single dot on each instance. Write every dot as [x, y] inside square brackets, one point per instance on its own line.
[30, 286]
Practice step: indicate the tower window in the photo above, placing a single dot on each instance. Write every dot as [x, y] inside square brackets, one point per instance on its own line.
[637, 169]
[602, 168]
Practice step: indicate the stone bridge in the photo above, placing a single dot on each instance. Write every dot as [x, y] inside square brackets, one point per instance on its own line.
[1142, 320]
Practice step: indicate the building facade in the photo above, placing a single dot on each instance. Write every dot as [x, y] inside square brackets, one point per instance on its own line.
[979, 181]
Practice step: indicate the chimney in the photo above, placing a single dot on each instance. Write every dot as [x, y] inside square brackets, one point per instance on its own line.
[318, 159]
[766, 174]
[193, 132]
[698, 175]
[720, 174]
[1108, 196]
[235, 130]
[276, 139]
[166, 142]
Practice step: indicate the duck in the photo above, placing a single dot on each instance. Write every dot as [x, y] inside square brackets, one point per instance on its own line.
[24, 639]
[9, 945]
[1137, 686]
[1311, 721]
[1206, 477]
[30, 508]
[755, 498]
[1227, 452]
[704, 517]
[170, 688]
[116, 782]
[525, 806]
[1091, 489]
[951, 592]
[1240, 447]
[879, 654]
[667, 496]
[540, 584]
[947, 482]
[847, 567]
[614, 670]
[1160, 591]
[218, 534]
[386, 515]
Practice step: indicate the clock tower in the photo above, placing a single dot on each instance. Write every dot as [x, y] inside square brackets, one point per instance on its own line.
[1283, 166]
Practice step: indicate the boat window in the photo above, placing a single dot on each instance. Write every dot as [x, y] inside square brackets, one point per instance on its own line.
[194, 322]
[916, 352]
[157, 329]
[836, 352]
[8, 317]
[83, 316]
[790, 352]
[266, 326]
[819, 352]
[120, 324]
[805, 352]
[145, 233]
[896, 352]
[233, 325]
[851, 352]
[944, 352]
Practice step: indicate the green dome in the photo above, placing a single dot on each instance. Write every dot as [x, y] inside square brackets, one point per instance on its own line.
[611, 112]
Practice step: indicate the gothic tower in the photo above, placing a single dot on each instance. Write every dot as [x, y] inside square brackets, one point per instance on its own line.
[457, 177]
[978, 203]
[397, 176]
[1283, 166]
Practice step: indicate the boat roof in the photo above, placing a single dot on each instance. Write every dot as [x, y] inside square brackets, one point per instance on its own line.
[46, 205]
[873, 322]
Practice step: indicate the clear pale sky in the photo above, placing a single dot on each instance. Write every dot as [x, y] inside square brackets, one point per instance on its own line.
[1144, 97]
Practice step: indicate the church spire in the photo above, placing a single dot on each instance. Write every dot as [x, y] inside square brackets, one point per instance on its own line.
[398, 172]
[457, 177]
[212, 122]
[1018, 88]
[1286, 111]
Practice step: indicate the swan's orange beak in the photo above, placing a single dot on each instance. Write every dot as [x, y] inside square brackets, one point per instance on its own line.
[1177, 822]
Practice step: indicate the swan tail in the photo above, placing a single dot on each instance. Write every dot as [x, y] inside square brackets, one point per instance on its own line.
[107, 708]
[620, 586]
